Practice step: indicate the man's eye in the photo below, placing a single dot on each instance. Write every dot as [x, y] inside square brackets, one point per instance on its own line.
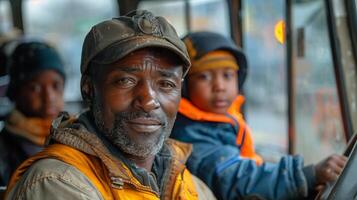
[167, 84]
[125, 82]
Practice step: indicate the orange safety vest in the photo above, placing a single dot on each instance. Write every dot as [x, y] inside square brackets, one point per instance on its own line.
[243, 138]
[93, 168]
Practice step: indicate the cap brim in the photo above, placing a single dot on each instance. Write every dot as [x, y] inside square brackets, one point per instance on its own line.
[118, 50]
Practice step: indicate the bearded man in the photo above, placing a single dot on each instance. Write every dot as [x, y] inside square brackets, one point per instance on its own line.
[132, 69]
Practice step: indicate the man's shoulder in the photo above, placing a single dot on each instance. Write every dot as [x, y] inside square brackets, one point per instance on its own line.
[53, 176]
[49, 168]
[51, 165]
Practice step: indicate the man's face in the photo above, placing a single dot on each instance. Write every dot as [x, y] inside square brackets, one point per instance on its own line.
[41, 96]
[136, 100]
[213, 90]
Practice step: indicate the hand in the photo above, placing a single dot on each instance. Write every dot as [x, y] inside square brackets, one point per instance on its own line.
[329, 169]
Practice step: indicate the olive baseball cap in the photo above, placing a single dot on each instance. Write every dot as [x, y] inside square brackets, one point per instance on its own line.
[113, 39]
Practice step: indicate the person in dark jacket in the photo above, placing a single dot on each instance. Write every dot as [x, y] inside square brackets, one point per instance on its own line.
[36, 89]
[223, 152]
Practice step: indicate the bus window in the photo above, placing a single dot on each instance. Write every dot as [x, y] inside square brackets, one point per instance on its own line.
[6, 33]
[5, 17]
[210, 15]
[265, 88]
[174, 12]
[65, 23]
[319, 127]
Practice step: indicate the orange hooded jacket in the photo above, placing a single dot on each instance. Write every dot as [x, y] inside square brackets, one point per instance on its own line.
[110, 176]
[243, 139]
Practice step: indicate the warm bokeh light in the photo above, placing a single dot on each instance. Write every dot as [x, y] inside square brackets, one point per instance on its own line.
[279, 31]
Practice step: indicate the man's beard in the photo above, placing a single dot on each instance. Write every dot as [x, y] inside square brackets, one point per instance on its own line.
[119, 136]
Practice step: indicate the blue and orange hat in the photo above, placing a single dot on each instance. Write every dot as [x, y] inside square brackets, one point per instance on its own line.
[200, 46]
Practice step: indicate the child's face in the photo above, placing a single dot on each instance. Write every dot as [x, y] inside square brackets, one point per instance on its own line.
[213, 90]
[42, 96]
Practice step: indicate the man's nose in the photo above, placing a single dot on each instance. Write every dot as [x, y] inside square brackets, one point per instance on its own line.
[146, 99]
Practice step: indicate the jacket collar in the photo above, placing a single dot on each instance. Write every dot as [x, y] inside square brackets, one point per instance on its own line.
[190, 111]
[79, 134]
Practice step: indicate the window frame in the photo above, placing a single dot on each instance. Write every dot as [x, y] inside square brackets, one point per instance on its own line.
[351, 8]
[338, 72]
[338, 67]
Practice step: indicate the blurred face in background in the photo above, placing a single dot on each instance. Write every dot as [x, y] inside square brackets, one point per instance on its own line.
[41, 96]
[213, 90]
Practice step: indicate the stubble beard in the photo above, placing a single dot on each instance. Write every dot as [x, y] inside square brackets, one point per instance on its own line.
[119, 137]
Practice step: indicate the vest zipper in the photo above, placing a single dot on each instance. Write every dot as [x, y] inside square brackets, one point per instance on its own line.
[118, 183]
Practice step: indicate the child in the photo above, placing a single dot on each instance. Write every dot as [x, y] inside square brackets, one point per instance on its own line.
[223, 152]
[36, 89]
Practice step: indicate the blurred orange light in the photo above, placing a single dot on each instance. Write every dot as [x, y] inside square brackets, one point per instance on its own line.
[279, 31]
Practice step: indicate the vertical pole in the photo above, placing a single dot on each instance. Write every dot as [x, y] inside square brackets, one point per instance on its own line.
[290, 77]
[16, 10]
[188, 15]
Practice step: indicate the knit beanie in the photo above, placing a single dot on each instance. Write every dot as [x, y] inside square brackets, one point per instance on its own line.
[29, 59]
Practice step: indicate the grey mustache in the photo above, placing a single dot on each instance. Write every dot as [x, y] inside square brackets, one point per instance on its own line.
[128, 116]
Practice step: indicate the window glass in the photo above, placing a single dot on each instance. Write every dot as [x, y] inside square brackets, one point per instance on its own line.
[265, 87]
[210, 15]
[6, 34]
[319, 126]
[173, 11]
[5, 17]
[65, 23]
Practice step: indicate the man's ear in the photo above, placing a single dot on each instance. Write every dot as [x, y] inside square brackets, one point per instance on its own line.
[87, 90]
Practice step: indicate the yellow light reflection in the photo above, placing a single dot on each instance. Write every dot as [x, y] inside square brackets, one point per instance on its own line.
[279, 31]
